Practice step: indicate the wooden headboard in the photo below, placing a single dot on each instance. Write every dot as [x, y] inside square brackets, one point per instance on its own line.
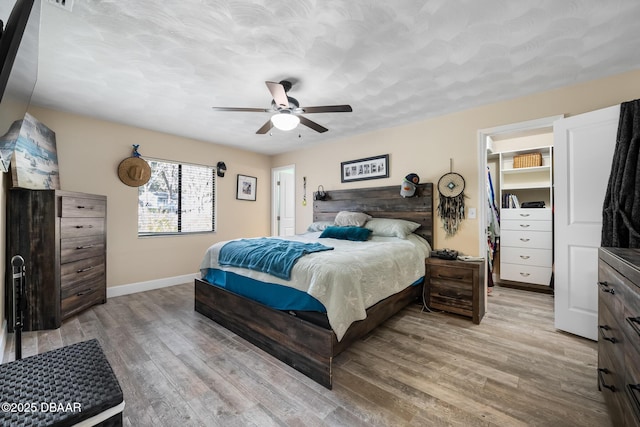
[381, 202]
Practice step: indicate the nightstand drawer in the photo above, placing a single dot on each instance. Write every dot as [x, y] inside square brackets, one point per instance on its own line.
[464, 275]
[451, 295]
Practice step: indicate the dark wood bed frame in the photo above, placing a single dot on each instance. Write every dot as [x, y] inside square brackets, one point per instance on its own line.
[301, 344]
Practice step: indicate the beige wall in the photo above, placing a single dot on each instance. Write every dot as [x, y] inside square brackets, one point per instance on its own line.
[89, 152]
[426, 147]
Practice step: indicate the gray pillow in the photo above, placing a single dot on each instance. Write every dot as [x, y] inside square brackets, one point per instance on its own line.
[356, 219]
[320, 225]
[387, 227]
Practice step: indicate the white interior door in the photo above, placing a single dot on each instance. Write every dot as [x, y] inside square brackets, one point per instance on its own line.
[584, 147]
[284, 201]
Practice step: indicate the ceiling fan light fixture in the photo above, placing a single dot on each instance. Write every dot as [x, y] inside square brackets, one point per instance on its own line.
[285, 120]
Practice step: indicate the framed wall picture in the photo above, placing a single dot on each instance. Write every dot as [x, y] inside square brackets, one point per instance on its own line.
[369, 168]
[247, 187]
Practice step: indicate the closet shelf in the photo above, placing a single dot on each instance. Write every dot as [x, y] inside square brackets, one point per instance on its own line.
[526, 170]
[525, 186]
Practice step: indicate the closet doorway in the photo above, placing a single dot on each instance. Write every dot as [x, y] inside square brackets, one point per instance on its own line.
[519, 160]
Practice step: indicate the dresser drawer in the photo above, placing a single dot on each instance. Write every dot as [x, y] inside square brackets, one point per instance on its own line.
[631, 323]
[632, 386]
[525, 273]
[527, 239]
[527, 256]
[90, 294]
[526, 225]
[611, 338]
[79, 207]
[610, 288]
[528, 214]
[80, 248]
[89, 269]
[611, 384]
[81, 227]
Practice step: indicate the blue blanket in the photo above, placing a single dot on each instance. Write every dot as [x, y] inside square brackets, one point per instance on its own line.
[273, 256]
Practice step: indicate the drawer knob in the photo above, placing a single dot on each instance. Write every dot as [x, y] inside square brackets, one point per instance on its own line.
[84, 207]
[604, 371]
[603, 329]
[525, 274]
[524, 214]
[524, 239]
[525, 256]
[84, 226]
[605, 288]
[524, 225]
[85, 247]
[79, 294]
[82, 270]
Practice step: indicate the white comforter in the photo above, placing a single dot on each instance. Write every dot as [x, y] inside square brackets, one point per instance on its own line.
[349, 279]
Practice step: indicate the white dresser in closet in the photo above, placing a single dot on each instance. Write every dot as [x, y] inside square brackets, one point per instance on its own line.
[526, 245]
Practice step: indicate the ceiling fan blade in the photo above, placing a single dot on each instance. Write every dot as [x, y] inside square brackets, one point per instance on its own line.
[313, 125]
[252, 110]
[279, 94]
[328, 109]
[265, 127]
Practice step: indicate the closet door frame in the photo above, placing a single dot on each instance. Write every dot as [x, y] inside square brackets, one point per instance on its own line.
[484, 140]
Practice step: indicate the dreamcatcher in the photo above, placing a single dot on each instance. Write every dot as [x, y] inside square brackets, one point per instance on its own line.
[451, 206]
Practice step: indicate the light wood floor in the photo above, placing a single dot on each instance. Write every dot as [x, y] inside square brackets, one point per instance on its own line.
[178, 368]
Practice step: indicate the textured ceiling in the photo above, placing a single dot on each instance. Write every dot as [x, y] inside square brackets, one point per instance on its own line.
[163, 65]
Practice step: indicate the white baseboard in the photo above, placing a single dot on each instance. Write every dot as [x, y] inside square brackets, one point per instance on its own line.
[3, 340]
[132, 288]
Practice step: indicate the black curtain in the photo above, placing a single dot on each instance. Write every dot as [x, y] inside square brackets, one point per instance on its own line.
[621, 210]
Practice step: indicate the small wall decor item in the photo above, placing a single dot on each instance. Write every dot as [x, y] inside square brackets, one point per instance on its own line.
[408, 186]
[247, 186]
[134, 171]
[320, 194]
[368, 168]
[304, 191]
[221, 168]
[451, 206]
[34, 162]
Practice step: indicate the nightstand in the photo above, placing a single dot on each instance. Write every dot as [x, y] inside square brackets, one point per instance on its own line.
[456, 287]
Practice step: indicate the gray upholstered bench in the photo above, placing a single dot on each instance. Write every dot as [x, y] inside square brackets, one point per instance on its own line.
[72, 385]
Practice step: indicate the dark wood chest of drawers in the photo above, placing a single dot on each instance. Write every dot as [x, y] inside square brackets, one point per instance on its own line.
[62, 237]
[619, 333]
[456, 287]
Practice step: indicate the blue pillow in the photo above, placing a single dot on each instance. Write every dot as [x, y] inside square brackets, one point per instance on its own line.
[356, 234]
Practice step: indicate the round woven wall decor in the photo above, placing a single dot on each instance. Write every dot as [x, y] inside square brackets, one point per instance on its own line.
[451, 207]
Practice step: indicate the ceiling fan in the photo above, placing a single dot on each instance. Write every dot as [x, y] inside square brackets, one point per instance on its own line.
[287, 111]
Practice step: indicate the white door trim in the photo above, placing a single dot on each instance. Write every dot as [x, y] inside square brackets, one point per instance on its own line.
[483, 136]
[275, 201]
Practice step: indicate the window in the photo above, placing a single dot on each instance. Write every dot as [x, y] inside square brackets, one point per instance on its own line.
[179, 198]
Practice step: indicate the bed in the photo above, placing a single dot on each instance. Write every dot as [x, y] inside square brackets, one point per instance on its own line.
[308, 340]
